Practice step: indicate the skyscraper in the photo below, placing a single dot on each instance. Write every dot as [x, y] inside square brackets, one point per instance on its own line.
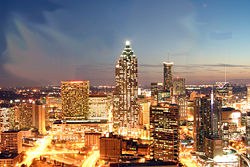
[155, 88]
[248, 134]
[75, 99]
[32, 114]
[248, 94]
[164, 122]
[222, 89]
[126, 109]
[179, 87]
[207, 124]
[168, 76]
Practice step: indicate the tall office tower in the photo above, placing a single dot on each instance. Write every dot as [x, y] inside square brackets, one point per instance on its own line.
[155, 88]
[214, 116]
[168, 76]
[248, 134]
[164, 122]
[222, 89]
[248, 94]
[200, 108]
[179, 87]
[75, 99]
[207, 121]
[11, 142]
[182, 101]
[126, 108]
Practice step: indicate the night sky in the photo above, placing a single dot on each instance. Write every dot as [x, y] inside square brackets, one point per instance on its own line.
[45, 41]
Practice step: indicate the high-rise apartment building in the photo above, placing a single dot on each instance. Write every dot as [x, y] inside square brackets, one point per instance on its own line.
[164, 122]
[75, 99]
[168, 76]
[126, 108]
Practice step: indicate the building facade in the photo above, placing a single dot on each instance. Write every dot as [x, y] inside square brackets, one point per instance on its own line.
[110, 148]
[25, 118]
[183, 107]
[72, 131]
[222, 89]
[99, 106]
[126, 108]
[248, 94]
[164, 121]
[168, 76]
[8, 119]
[207, 121]
[75, 99]
[248, 134]
[179, 87]
[155, 88]
[11, 142]
[38, 117]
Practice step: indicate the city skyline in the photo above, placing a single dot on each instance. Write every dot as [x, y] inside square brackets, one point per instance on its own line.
[89, 83]
[76, 40]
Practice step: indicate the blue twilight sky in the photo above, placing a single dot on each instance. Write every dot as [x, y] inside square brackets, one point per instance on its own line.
[46, 41]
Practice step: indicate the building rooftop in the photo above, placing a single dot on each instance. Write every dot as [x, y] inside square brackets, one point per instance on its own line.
[11, 131]
[228, 109]
[8, 156]
[97, 95]
[168, 63]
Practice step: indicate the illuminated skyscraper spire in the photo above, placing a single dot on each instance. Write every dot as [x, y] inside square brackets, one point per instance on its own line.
[126, 109]
[127, 43]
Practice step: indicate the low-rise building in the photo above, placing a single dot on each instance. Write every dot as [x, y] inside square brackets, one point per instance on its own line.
[111, 148]
[74, 130]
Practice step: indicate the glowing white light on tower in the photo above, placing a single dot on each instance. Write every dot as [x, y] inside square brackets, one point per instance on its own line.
[127, 43]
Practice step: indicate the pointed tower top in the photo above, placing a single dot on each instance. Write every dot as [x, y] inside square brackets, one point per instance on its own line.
[127, 43]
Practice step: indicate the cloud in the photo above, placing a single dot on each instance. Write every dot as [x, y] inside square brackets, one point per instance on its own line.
[151, 65]
[197, 65]
[225, 65]
[34, 12]
[220, 35]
